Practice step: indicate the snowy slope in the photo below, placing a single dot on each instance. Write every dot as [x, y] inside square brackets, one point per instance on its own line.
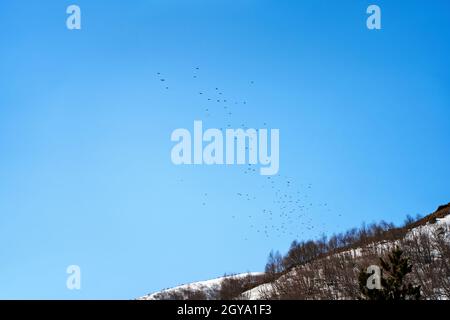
[204, 286]
[209, 288]
[442, 226]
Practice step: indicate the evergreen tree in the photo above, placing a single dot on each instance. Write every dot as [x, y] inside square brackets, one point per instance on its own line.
[393, 282]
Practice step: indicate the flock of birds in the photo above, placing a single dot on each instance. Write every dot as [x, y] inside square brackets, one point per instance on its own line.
[288, 210]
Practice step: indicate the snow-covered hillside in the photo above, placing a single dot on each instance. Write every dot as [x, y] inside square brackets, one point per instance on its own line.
[440, 228]
[435, 227]
[208, 287]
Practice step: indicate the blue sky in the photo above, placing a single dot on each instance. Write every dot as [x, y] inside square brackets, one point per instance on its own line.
[85, 123]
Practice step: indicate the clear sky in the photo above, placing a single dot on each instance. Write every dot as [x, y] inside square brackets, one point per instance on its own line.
[85, 122]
